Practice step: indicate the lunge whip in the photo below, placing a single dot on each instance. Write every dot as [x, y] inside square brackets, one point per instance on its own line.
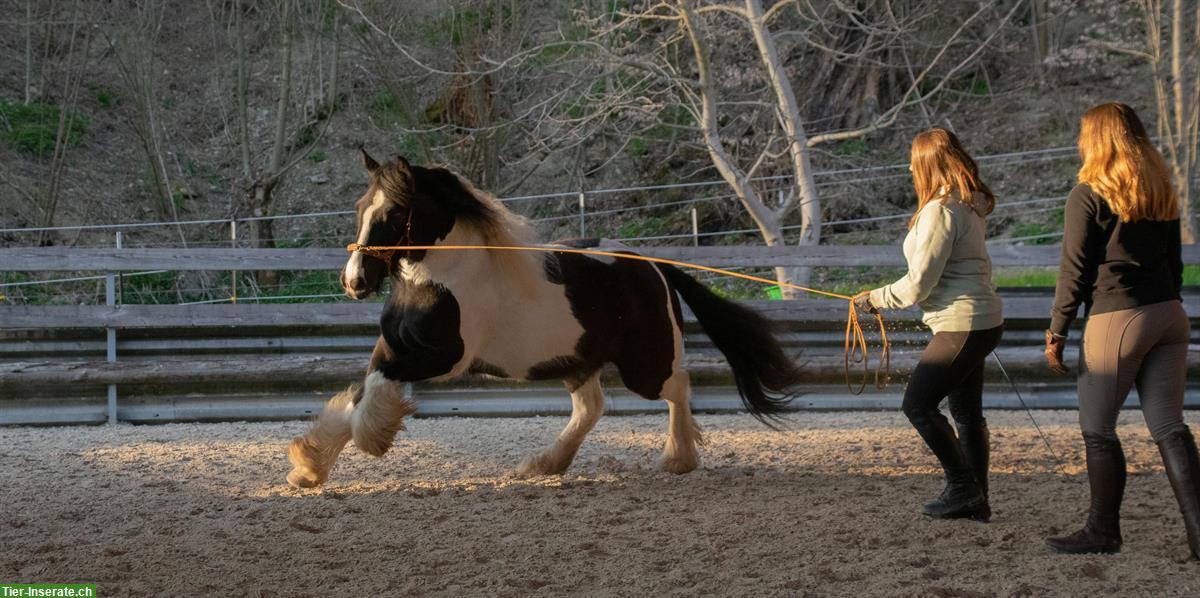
[1061, 466]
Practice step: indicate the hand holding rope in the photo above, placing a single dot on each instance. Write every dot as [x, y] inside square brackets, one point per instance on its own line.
[856, 347]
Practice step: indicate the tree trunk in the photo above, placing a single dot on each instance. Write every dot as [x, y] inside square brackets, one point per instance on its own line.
[284, 99]
[788, 111]
[70, 94]
[331, 96]
[1184, 161]
[1038, 35]
[242, 107]
[264, 230]
[264, 188]
[28, 51]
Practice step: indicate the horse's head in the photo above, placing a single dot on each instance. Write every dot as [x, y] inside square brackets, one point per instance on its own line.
[414, 205]
[397, 209]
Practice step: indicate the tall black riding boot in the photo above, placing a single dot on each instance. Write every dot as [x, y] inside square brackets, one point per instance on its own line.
[1106, 478]
[1183, 469]
[962, 498]
[973, 440]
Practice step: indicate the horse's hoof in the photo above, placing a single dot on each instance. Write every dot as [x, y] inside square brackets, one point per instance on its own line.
[678, 465]
[538, 465]
[299, 478]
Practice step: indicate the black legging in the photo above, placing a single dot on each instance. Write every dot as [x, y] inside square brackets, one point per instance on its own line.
[952, 366]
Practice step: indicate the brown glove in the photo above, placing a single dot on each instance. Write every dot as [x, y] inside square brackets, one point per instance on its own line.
[1054, 352]
[862, 302]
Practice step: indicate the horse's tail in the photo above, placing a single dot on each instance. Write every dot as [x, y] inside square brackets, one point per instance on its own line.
[766, 378]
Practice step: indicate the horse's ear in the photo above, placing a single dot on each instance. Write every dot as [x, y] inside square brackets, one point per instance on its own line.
[368, 161]
[402, 165]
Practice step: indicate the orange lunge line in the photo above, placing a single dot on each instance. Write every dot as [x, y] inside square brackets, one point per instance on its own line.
[856, 341]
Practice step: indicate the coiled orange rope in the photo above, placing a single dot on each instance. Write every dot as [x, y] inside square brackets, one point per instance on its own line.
[856, 348]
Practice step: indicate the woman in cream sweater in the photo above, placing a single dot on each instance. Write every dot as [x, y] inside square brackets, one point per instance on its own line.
[950, 278]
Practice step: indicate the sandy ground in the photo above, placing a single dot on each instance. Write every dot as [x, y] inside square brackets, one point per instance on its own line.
[828, 507]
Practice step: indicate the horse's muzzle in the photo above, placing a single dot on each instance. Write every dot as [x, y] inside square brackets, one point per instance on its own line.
[357, 287]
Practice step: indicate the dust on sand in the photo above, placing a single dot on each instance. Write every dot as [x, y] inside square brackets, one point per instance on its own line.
[827, 507]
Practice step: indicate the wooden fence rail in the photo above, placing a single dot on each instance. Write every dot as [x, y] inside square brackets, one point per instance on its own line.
[218, 361]
[63, 259]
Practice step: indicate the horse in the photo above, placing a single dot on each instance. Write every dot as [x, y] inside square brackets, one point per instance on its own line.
[525, 316]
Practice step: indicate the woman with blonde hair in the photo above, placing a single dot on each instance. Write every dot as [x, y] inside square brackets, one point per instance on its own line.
[950, 278]
[1121, 259]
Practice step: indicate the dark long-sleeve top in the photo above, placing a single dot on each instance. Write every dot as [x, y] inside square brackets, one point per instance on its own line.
[1109, 265]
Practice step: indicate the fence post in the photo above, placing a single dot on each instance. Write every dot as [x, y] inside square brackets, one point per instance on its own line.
[233, 274]
[110, 338]
[695, 229]
[582, 214]
[120, 275]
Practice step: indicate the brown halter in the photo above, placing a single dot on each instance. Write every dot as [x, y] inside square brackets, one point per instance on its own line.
[388, 256]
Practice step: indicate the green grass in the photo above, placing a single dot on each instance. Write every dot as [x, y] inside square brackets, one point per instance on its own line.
[1048, 277]
[638, 147]
[106, 98]
[387, 108]
[644, 227]
[33, 128]
[176, 287]
[979, 87]
[1031, 277]
[456, 28]
[308, 282]
[851, 147]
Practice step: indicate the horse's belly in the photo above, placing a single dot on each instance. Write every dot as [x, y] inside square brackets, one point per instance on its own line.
[531, 338]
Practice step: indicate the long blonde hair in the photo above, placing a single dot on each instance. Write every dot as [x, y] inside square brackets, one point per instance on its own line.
[938, 161]
[1122, 166]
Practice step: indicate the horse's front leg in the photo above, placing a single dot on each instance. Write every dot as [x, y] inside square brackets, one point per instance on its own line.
[380, 413]
[313, 454]
[587, 404]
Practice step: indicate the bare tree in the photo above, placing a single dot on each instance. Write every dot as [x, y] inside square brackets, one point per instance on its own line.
[77, 51]
[683, 67]
[1177, 95]
[135, 49]
[518, 88]
[1169, 42]
[28, 51]
[785, 139]
[299, 123]
[1047, 24]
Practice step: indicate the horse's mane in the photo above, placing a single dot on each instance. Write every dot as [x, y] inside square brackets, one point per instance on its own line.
[499, 225]
[493, 222]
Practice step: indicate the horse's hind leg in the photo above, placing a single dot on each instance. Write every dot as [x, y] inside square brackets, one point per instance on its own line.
[313, 454]
[680, 455]
[587, 404]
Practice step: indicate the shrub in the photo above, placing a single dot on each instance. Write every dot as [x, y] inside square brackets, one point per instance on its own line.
[33, 128]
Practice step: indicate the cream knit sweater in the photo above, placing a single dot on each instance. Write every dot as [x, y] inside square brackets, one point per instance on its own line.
[949, 271]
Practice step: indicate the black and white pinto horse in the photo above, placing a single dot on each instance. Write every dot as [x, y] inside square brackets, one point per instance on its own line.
[526, 316]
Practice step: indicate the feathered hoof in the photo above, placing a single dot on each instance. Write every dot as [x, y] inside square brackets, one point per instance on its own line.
[377, 444]
[302, 478]
[305, 464]
[541, 464]
[679, 464]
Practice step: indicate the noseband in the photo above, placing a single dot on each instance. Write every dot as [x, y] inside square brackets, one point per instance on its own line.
[387, 256]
